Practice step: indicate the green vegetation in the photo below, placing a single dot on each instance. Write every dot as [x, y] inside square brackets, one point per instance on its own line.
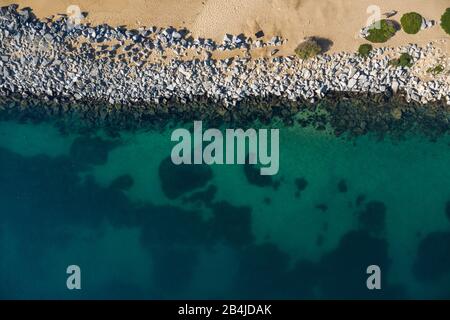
[436, 70]
[364, 50]
[381, 31]
[405, 60]
[308, 49]
[445, 21]
[411, 22]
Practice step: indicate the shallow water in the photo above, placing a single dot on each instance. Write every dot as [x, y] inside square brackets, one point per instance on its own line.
[140, 228]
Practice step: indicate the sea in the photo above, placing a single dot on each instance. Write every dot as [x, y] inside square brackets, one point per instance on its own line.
[137, 226]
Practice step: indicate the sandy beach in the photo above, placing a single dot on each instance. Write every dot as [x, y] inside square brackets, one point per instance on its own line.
[337, 20]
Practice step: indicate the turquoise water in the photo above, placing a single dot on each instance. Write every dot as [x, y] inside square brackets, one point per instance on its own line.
[140, 228]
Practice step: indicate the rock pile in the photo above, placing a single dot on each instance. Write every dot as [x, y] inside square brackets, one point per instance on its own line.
[55, 61]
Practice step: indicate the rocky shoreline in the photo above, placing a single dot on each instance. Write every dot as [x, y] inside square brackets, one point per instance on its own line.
[341, 113]
[126, 78]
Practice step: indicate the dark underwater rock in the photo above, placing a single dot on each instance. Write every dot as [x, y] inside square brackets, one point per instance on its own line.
[254, 177]
[177, 180]
[92, 151]
[124, 182]
[301, 184]
[433, 257]
[342, 186]
[373, 217]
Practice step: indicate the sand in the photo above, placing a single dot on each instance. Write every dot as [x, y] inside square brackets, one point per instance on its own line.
[336, 20]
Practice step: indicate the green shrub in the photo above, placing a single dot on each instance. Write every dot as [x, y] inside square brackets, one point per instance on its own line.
[364, 50]
[436, 70]
[382, 34]
[308, 49]
[445, 21]
[411, 22]
[405, 60]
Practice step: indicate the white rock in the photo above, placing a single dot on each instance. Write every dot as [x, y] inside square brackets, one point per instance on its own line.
[394, 86]
[351, 83]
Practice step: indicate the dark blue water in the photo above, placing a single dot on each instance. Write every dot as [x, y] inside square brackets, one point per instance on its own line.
[139, 227]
